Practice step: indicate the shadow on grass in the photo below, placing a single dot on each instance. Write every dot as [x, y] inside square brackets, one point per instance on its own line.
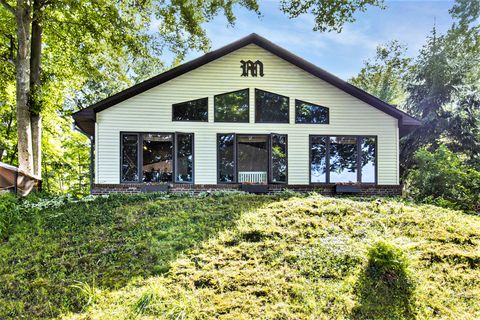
[384, 288]
[104, 244]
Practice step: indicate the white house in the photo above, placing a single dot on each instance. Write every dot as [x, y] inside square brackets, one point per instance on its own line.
[247, 113]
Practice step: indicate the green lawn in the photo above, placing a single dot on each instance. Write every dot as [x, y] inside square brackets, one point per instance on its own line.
[241, 257]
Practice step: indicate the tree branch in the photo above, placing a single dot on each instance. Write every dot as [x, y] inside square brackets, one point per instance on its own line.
[7, 6]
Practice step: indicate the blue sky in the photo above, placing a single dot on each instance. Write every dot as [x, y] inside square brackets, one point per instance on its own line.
[409, 21]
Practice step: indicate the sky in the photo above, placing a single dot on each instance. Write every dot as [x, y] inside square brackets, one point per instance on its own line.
[343, 54]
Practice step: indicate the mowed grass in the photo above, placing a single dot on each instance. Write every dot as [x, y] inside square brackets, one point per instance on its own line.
[243, 257]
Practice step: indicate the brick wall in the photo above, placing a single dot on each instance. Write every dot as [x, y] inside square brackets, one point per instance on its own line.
[366, 190]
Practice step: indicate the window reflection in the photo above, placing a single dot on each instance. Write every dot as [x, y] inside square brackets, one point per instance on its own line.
[270, 107]
[232, 107]
[343, 159]
[226, 158]
[369, 146]
[318, 156]
[196, 110]
[279, 158]
[310, 113]
[341, 153]
[157, 157]
[184, 157]
[129, 158]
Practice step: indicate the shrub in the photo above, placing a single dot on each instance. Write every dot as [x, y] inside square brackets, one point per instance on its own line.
[9, 213]
[442, 179]
[384, 289]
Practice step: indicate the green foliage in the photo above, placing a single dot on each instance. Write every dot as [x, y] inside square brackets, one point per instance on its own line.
[384, 76]
[237, 255]
[9, 213]
[443, 90]
[385, 287]
[441, 178]
[65, 251]
[329, 15]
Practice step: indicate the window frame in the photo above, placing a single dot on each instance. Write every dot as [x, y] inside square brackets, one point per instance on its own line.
[139, 135]
[179, 103]
[313, 104]
[270, 173]
[235, 91]
[327, 159]
[235, 166]
[175, 158]
[122, 134]
[257, 114]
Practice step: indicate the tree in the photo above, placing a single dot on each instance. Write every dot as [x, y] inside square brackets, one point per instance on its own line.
[119, 26]
[443, 90]
[383, 76]
[58, 54]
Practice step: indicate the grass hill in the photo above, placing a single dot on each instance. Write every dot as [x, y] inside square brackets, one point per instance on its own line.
[239, 256]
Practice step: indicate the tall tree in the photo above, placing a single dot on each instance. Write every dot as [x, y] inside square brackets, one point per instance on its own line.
[383, 75]
[64, 48]
[443, 89]
[120, 26]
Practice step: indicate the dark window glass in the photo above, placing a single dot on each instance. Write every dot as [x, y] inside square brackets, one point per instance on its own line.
[184, 160]
[270, 107]
[310, 113]
[279, 158]
[129, 158]
[196, 110]
[157, 157]
[226, 158]
[232, 107]
[369, 146]
[343, 159]
[318, 159]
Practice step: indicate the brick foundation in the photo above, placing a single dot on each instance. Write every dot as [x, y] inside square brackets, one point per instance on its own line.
[365, 190]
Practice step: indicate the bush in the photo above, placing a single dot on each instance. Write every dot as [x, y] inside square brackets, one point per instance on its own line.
[384, 289]
[9, 213]
[441, 178]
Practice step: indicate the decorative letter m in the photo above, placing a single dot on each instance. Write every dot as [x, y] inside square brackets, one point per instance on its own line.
[254, 68]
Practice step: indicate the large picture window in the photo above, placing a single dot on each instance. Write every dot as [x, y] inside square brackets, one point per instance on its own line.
[157, 157]
[343, 159]
[306, 112]
[246, 158]
[232, 106]
[271, 107]
[195, 110]
[150, 157]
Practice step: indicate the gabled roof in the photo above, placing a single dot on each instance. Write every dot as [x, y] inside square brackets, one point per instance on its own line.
[85, 119]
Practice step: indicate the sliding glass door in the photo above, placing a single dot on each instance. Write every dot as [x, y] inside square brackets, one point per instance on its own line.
[250, 158]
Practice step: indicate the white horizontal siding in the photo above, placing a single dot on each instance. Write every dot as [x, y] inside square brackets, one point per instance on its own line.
[152, 111]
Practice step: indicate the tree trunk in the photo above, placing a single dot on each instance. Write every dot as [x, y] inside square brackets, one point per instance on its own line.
[36, 87]
[22, 17]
